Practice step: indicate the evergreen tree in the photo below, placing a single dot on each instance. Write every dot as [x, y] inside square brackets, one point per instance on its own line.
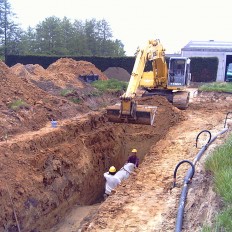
[9, 31]
[28, 42]
[67, 35]
[48, 36]
[54, 36]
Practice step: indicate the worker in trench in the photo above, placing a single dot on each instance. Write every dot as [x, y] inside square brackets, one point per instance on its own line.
[133, 158]
[111, 181]
[114, 178]
[129, 167]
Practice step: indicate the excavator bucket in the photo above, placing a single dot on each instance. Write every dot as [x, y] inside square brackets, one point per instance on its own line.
[144, 114]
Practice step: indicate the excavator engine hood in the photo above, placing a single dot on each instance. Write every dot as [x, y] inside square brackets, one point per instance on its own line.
[144, 114]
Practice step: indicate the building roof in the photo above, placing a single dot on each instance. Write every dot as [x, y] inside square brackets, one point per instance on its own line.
[172, 55]
[209, 45]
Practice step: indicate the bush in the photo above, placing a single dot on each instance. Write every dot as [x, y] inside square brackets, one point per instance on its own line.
[18, 104]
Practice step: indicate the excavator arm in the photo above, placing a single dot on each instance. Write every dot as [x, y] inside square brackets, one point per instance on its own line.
[128, 110]
[154, 52]
[156, 82]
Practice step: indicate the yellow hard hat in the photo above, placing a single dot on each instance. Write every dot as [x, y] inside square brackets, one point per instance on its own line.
[134, 150]
[112, 169]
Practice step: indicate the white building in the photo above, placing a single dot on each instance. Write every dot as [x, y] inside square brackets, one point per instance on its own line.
[211, 48]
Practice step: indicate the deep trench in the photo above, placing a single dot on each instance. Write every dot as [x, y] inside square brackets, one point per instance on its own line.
[63, 167]
[121, 138]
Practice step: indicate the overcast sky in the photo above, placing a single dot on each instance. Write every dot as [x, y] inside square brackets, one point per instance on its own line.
[174, 22]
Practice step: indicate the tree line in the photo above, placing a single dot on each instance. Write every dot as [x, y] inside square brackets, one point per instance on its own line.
[55, 36]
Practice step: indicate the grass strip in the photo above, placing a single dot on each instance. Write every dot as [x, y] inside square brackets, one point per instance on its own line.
[220, 165]
[110, 85]
[217, 87]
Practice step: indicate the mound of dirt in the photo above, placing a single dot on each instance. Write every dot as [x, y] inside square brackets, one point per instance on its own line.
[117, 73]
[31, 95]
[66, 69]
[3, 67]
[29, 71]
[63, 73]
[24, 107]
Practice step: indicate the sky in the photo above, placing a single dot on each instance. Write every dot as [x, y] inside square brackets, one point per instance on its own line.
[134, 22]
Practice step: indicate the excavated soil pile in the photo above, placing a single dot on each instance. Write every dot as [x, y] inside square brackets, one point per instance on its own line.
[64, 73]
[117, 73]
[24, 107]
[49, 170]
[70, 66]
[31, 96]
[68, 70]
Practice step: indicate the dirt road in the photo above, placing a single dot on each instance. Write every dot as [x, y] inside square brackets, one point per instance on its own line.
[144, 202]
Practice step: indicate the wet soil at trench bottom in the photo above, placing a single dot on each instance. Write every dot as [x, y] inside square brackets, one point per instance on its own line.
[52, 169]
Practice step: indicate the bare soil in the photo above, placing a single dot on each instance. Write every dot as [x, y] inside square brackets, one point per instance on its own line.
[41, 91]
[52, 178]
[117, 73]
[146, 201]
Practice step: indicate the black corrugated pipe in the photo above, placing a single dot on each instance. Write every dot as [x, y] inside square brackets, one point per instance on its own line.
[184, 192]
[190, 173]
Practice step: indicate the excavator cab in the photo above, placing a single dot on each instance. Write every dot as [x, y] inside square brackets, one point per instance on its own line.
[179, 73]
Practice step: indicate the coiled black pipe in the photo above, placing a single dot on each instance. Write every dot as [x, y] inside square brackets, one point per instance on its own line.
[190, 173]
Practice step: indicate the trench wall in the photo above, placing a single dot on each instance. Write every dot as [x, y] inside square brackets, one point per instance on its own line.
[50, 170]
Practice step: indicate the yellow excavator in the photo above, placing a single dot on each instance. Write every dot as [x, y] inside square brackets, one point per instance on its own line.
[168, 82]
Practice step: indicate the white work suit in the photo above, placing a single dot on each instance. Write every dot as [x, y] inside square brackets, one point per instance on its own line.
[125, 171]
[111, 182]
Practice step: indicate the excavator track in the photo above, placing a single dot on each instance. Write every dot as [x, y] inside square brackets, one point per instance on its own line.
[181, 99]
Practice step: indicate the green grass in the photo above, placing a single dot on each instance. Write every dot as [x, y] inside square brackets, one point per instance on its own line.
[222, 222]
[76, 100]
[17, 104]
[215, 228]
[217, 87]
[225, 219]
[111, 85]
[206, 229]
[96, 93]
[65, 92]
[220, 164]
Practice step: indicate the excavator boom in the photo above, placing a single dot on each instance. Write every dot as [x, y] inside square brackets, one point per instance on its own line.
[155, 81]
